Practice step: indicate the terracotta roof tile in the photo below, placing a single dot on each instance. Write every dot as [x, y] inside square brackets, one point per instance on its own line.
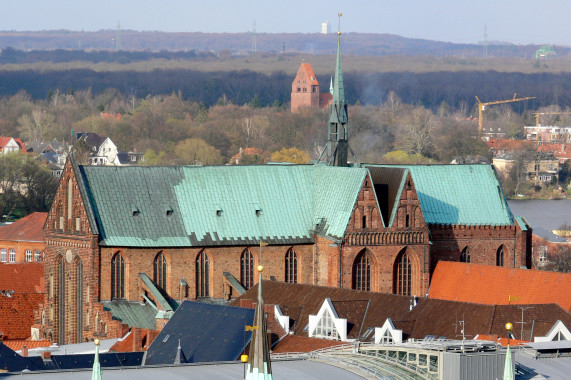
[22, 277]
[293, 343]
[493, 285]
[309, 73]
[17, 345]
[17, 314]
[29, 228]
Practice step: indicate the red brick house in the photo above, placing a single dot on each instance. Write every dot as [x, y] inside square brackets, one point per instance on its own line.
[23, 240]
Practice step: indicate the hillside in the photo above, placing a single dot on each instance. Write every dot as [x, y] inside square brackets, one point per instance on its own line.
[363, 44]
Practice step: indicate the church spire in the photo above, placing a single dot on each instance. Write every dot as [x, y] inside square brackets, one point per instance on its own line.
[96, 372]
[337, 148]
[259, 365]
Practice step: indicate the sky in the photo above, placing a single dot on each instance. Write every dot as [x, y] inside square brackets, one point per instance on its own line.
[460, 21]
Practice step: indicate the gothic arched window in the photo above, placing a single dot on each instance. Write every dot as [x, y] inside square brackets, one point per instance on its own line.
[79, 300]
[160, 271]
[61, 300]
[202, 277]
[362, 272]
[500, 256]
[117, 276]
[465, 255]
[291, 266]
[403, 274]
[247, 269]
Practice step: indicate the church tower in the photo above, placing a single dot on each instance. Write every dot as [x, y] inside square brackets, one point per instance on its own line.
[305, 88]
[337, 149]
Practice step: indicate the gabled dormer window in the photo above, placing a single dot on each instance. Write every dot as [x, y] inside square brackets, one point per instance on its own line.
[327, 324]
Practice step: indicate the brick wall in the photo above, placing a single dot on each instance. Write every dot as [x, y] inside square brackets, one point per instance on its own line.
[69, 241]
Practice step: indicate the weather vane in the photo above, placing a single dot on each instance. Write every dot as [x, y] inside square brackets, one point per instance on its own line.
[339, 28]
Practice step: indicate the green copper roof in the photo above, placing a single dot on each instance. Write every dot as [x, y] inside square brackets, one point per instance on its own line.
[132, 313]
[224, 205]
[459, 194]
[338, 108]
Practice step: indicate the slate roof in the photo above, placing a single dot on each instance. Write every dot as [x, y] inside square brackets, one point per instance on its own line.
[223, 205]
[207, 333]
[91, 138]
[17, 314]
[493, 285]
[29, 228]
[12, 362]
[22, 277]
[428, 317]
[459, 194]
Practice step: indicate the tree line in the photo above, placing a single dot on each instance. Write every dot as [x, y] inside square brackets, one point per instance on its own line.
[430, 90]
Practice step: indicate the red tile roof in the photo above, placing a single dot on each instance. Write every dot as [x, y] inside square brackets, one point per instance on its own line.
[6, 139]
[29, 228]
[293, 343]
[493, 285]
[309, 73]
[17, 314]
[506, 144]
[22, 277]
[17, 345]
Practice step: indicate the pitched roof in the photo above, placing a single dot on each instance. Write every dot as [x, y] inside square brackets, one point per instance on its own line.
[29, 228]
[17, 345]
[493, 285]
[296, 343]
[459, 194]
[22, 277]
[92, 139]
[428, 317]
[220, 205]
[17, 314]
[13, 362]
[307, 69]
[132, 313]
[206, 333]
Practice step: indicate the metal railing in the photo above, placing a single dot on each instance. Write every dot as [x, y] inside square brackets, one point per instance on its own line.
[379, 366]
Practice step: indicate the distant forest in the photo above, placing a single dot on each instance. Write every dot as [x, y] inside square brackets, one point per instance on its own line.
[430, 90]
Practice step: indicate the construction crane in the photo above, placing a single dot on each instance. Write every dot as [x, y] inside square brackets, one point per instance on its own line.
[547, 113]
[482, 107]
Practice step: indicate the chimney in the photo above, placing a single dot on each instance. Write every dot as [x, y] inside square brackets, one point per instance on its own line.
[47, 355]
[137, 342]
[25, 351]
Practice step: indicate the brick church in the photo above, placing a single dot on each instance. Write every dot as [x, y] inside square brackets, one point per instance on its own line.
[124, 245]
[305, 90]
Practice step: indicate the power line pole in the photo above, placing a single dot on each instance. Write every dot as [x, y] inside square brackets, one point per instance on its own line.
[254, 42]
[485, 41]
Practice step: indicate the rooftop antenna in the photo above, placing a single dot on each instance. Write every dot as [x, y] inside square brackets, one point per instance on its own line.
[523, 308]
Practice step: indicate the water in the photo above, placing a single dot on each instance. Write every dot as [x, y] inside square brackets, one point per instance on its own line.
[544, 215]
